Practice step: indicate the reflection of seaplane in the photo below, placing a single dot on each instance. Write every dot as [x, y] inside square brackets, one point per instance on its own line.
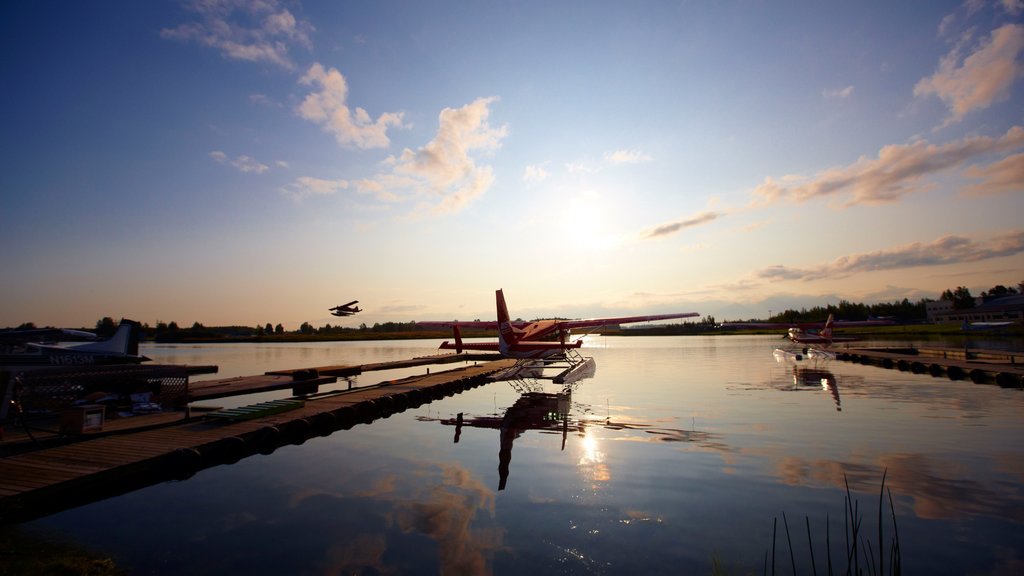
[531, 341]
[816, 377]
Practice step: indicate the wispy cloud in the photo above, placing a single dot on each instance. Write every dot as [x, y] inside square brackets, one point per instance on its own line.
[974, 81]
[943, 251]
[1004, 176]
[254, 31]
[840, 93]
[445, 174]
[535, 173]
[241, 163]
[445, 167]
[1013, 7]
[328, 107]
[674, 227]
[627, 157]
[307, 186]
[898, 170]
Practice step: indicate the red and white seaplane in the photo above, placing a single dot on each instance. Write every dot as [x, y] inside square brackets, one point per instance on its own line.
[543, 341]
[815, 336]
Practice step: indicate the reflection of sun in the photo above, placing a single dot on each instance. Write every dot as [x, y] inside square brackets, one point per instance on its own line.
[591, 462]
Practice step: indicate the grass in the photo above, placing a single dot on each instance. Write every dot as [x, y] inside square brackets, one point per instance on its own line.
[861, 556]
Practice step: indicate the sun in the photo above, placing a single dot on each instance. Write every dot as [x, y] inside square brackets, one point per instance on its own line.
[584, 219]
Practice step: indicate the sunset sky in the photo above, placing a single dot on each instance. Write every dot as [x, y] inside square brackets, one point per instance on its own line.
[246, 162]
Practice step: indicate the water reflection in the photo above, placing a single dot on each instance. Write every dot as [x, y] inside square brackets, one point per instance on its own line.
[557, 413]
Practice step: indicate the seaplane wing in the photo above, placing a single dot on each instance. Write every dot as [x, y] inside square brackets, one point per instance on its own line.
[808, 325]
[539, 338]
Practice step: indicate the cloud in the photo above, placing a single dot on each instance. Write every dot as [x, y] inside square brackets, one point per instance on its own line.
[943, 251]
[445, 171]
[253, 31]
[241, 163]
[307, 186]
[627, 157]
[838, 92]
[896, 171]
[1004, 176]
[977, 80]
[1013, 7]
[328, 108]
[673, 227]
[444, 167]
[535, 173]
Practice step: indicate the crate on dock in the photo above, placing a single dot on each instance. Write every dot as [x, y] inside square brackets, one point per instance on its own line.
[82, 419]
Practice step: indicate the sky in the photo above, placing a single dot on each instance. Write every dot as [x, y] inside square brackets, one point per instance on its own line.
[243, 162]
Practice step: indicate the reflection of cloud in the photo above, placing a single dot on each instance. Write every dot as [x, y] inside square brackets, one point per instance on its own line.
[252, 31]
[938, 490]
[328, 107]
[673, 227]
[446, 515]
[438, 502]
[942, 251]
[975, 81]
[896, 171]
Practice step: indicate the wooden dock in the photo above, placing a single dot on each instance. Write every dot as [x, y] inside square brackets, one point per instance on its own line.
[44, 481]
[1005, 369]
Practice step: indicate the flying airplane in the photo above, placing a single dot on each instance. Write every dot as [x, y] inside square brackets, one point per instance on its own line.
[346, 309]
[121, 348]
[814, 335]
[527, 340]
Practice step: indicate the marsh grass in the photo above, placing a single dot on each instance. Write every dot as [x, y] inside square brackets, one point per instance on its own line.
[861, 557]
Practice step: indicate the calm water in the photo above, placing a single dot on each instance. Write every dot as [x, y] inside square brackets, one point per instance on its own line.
[679, 452]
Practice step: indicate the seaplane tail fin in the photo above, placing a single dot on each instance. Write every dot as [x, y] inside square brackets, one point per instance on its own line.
[458, 339]
[506, 333]
[826, 332]
[125, 341]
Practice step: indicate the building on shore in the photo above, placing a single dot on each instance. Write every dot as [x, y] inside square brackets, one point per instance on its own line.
[986, 309]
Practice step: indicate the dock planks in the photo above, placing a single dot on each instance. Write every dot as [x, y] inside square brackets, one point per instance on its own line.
[41, 482]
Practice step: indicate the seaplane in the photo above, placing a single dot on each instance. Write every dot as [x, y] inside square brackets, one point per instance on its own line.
[345, 309]
[539, 343]
[815, 336]
[121, 348]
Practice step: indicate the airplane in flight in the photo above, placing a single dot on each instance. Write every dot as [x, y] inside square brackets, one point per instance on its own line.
[121, 348]
[346, 309]
[533, 340]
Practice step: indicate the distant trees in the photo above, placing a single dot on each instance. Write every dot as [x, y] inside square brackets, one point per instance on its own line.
[999, 291]
[105, 327]
[961, 297]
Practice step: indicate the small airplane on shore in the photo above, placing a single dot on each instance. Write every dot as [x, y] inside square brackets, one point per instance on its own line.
[121, 348]
[346, 309]
[533, 340]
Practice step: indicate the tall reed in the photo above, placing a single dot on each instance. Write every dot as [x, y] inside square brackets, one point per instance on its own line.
[860, 554]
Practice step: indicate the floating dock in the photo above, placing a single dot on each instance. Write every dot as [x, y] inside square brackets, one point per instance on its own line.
[1005, 369]
[38, 482]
